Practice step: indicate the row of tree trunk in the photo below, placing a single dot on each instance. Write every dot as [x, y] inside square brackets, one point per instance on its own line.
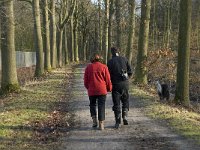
[52, 43]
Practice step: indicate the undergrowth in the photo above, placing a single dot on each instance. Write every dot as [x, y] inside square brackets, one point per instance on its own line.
[183, 120]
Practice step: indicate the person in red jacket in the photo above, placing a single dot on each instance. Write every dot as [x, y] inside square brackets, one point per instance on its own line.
[97, 82]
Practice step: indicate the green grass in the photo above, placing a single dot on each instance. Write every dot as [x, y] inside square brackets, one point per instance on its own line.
[182, 120]
[33, 103]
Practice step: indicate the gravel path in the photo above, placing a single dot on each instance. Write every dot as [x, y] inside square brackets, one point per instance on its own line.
[142, 133]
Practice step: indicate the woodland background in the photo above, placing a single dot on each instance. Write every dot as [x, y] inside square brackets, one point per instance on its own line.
[68, 31]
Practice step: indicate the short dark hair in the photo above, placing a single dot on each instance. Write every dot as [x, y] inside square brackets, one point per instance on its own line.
[114, 50]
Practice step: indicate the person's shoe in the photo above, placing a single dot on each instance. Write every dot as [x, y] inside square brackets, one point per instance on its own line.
[94, 118]
[124, 116]
[117, 125]
[118, 122]
[101, 125]
[125, 122]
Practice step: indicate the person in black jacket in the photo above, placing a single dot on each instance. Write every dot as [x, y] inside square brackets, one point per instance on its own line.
[120, 71]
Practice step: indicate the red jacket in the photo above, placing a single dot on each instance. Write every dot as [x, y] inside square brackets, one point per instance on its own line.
[97, 79]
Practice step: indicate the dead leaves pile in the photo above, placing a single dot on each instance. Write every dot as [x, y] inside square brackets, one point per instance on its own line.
[25, 74]
[50, 129]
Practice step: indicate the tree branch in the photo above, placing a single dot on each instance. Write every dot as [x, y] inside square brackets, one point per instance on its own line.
[28, 1]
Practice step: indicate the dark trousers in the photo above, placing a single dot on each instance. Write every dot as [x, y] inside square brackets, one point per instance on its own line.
[100, 99]
[120, 95]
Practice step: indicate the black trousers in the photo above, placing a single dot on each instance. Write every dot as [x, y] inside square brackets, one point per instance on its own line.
[100, 100]
[120, 95]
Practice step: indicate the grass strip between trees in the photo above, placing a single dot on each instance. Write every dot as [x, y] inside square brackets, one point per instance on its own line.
[184, 121]
[31, 119]
[37, 116]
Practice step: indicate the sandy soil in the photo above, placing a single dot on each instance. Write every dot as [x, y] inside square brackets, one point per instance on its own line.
[141, 133]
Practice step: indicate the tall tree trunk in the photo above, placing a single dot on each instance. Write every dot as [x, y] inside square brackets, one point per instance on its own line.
[168, 24]
[76, 38]
[118, 20]
[76, 53]
[1, 9]
[53, 36]
[95, 40]
[131, 30]
[72, 37]
[66, 46]
[60, 48]
[198, 25]
[111, 13]
[154, 25]
[100, 26]
[9, 80]
[106, 29]
[164, 29]
[141, 70]
[85, 48]
[47, 58]
[182, 87]
[38, 39]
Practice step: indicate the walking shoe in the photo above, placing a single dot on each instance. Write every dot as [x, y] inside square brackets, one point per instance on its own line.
[101, 125]
[124, 116]
[94, 118]
[117, 125]
[125, 122]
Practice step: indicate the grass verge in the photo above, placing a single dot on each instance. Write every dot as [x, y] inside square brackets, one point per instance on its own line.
[182, 120]
[27, 116]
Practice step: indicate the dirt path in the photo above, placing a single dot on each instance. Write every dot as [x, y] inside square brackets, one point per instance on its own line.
[142, 133]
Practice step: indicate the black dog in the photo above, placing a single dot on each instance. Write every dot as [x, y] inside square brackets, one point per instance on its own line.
[163, 91]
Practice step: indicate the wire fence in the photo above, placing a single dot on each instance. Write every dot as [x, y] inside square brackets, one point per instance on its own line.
[23, 59]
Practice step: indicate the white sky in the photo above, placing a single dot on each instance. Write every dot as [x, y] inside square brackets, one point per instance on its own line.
[94, 1]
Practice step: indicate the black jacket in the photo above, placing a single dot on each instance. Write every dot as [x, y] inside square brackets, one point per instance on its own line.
[117, 65]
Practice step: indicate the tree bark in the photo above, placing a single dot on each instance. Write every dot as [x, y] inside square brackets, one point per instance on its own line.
[72, 37]
[60, 47]
[76, 37]
[38, 39]
[111, 13]
[9, 80]
[66, 46]
[1, 9]
[131, 30]
[100, 25]
[118, 20]
[53, 36]
[47, 58]
[141, 69]
[182, 78]
[106, 29]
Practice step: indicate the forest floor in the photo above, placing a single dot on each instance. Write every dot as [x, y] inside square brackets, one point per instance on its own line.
[53, 114]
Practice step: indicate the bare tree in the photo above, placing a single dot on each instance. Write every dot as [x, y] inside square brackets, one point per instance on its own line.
[110, 32]
[118, 20]
[9, 80]
[53, 36]
[106, 28]
[100, 24]
[131, 30]
[76, 35]
[182, 87]
[38, 39]
[141, 70]
[47, 58]
[65, 11]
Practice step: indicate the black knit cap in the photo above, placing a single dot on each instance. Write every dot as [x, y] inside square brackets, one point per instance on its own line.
[114, 50]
